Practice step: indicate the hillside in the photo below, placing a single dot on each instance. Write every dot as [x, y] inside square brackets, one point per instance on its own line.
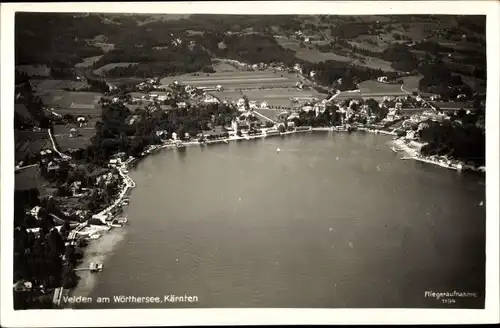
[149, 45]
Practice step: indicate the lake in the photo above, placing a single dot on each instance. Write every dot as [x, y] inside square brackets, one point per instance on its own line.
[332, 220]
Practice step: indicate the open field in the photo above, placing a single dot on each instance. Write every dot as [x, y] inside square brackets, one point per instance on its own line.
[46, 84]
[274, 88]
[28, 178]
[103, 69]
[370, 42]
[70, 102]
[410, 83]
[476, 84]
[34, 70]
[238, 80]
[88, 62]
[274, 97]
[27, 142]
[66, 142]
[123, 80]
[375, 63]
[379, 87]
[311, 55]
[220, 67]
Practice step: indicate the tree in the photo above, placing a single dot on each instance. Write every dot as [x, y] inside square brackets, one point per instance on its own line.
[180, 133]
[373, 106]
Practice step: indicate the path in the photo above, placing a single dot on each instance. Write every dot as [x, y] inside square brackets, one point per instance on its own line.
[55, 148]
[265, 117]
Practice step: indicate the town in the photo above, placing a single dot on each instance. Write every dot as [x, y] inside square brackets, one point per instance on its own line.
[80, 129]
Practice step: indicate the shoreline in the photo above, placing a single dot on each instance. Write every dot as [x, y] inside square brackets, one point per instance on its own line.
[99, 250]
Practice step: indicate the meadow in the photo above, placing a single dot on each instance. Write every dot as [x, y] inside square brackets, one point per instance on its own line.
[50, 84]
[101, 71]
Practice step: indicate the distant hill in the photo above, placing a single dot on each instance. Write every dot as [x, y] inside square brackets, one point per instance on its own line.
[173, 44]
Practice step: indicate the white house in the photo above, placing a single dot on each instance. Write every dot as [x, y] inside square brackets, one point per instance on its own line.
[297, 68]
[34, 211]
[160, 133]
[410, 134]
[81, 121]
[52, 166]
[114, 162]
[73, 132]
[209, 99]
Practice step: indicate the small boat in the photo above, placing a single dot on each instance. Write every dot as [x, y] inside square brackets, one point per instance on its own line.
[481, 204]
[278, 150]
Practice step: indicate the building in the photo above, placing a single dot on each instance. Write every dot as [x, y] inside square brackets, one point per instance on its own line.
[114, 162]
[411, 134]
[73, 132]
[297, 68]
[209, 99]
[81, 121]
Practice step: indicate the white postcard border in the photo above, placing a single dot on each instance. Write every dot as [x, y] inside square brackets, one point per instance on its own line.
[65, 318]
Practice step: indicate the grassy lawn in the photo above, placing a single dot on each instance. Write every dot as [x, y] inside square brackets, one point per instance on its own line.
[411, 83]
[274, 97]
[64, 141]
[88, 62]
[49, 84]
[376, 87]
[27, 142]
[311, 55]
[28, 178]
[34, 70]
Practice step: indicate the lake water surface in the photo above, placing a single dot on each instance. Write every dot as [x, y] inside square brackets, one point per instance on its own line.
[333, 220]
